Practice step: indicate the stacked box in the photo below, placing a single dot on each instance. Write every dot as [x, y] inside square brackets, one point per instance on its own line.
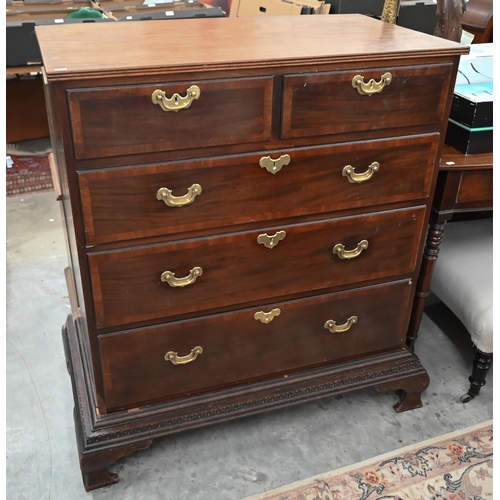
[470, 126]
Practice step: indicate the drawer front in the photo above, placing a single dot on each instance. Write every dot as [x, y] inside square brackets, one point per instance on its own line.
[116, 121]
[328, 103]
[237, 348]
[127, 203]
[476, 190]
[236, 268]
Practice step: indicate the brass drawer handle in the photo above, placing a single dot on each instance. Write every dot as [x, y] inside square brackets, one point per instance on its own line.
[372, 87]
[183, 360]
[354, 178]
[176, 102]
[271, 241]
[334, 328]
[267, 317]
[165, 194]
[170, 278]
[340, 250]
[274, 166]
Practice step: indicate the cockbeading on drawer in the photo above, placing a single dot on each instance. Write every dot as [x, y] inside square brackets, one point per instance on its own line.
[235, 268]
[172, 198]
[115, 121]
[332, 103]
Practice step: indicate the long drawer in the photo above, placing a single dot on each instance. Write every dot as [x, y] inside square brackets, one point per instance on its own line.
[136, 202]
[229, 349]
[160, 281]
[343, 101]
[114, 121]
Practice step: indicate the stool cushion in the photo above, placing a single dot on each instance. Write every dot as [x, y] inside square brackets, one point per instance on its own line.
[463, 277]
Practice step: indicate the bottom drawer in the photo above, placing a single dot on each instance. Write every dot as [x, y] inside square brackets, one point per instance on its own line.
[236, 347]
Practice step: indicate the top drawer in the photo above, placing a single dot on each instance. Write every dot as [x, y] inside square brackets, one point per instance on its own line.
[124, 120]
[330, 103]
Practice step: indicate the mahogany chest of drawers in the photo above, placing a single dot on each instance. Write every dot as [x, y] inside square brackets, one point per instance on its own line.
[245, 203]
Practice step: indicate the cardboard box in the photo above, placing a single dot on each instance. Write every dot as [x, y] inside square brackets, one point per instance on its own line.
[112, 5]
[43, 7]
[256, 8]
[175, 14]
[477, 66]
[145, 10]
[39, 15]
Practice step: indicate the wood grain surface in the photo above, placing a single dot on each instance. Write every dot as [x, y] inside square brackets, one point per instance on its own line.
[195, 44]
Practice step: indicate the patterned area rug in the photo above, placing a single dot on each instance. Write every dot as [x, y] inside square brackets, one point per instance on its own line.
[28, 173]
[28, 167]
[455, 466]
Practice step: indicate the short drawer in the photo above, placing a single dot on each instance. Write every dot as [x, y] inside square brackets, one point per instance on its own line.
[330, 103]
[160, 281]
[236, 347]
[136, 202]
[476, 190]
[114, 121]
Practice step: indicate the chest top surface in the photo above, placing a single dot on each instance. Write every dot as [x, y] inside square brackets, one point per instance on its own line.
[70, 51]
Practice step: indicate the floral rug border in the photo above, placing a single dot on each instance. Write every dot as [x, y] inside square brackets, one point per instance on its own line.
[454, 466]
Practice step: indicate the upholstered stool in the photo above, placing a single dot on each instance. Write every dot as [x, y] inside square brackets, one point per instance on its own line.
[463, 280]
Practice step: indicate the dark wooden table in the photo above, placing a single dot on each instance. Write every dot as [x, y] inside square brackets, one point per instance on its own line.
[25, 110]
[464, 185]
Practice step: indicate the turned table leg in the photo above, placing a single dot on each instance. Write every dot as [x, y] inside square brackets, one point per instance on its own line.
[431, 250]
[480, 368]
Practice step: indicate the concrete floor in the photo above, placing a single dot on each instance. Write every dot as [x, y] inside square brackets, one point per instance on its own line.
[223, 462]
